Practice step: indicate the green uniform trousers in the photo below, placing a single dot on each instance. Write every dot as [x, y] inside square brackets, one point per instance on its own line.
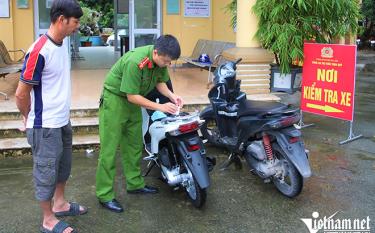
[120, 123]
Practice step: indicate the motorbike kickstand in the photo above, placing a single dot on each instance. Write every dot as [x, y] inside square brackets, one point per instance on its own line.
[150, 165]
[233, 158]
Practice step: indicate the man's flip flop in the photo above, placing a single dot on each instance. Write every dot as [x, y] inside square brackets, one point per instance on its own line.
[58, 228]
[73, 210]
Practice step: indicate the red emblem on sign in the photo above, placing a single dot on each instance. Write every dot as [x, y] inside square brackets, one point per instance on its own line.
[328, 80]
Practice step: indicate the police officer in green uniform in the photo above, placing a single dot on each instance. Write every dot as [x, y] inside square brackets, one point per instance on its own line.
[120, 120]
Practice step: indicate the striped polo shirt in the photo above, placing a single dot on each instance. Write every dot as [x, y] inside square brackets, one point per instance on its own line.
[47, 68]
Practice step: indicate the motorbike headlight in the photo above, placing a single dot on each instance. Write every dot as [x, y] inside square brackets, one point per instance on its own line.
[225, 71]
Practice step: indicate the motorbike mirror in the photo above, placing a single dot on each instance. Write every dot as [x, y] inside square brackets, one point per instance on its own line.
[238, 61]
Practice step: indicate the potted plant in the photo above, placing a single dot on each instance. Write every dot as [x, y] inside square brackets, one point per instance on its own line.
[89, 28]
[85, 36]
[284, 26]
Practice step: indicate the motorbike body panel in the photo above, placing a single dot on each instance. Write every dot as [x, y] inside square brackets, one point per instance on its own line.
[250, 125]
[195, 160]
[157, 132]
[226, 122]
[251, 107]
[207, 112]
[294, 151]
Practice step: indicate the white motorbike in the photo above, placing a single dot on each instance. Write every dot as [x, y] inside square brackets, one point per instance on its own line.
[173, 144]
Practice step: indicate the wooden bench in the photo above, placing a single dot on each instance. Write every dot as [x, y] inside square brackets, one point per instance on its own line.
[7, 64]
[9, 68]
[4, 53]
[5, 70]
[214, 50]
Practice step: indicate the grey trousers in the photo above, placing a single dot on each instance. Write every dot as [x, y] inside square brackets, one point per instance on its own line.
[52, 156]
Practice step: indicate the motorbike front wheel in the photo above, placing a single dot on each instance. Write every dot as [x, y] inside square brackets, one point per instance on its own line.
[210, 131]
[290, 182]
[196, 194]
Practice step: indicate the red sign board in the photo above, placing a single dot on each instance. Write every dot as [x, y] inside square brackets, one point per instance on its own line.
[329, 79]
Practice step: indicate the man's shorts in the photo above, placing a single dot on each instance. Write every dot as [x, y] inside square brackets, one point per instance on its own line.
[52, 156]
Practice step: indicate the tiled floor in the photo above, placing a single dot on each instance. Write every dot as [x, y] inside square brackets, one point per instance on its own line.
[88, 74]
[190, 83]
[91, 58]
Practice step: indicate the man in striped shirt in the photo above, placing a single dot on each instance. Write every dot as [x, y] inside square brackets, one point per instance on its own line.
[43, 98]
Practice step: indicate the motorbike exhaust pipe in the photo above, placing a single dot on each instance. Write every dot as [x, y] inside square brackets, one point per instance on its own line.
[173, 176]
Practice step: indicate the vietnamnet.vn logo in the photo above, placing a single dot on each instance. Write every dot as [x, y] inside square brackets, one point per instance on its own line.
[332, 225]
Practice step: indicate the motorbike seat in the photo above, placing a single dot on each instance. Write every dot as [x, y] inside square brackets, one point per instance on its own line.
[251, 107]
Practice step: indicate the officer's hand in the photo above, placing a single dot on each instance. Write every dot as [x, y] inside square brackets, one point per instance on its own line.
[177, 100]
[169, 108]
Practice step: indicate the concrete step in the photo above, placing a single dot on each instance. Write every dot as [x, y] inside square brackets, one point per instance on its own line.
[74, 113]
[14, 147]
[85, 128]
[93, 112]
[80, 125]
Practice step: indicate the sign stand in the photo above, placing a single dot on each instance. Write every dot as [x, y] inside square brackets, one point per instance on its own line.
[351, 136]
[303, 125]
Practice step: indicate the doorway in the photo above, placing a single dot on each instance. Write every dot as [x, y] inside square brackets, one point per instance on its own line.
[145, 21]
[42, 20]
[137, 21]
[41, 17]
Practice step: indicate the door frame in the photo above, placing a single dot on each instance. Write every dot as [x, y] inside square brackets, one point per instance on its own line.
[134, 31]
[37, 30]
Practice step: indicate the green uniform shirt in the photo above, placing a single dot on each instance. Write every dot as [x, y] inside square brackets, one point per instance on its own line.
[135, 73]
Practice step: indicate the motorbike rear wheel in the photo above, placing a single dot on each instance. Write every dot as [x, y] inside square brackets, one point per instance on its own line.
[196, 194]
[210, 131]
[291, 182]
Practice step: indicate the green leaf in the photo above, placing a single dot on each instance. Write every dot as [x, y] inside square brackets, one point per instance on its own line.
[284, 25]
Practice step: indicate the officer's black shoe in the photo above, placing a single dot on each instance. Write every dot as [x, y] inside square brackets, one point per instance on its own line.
[145, 190]
[113, 205]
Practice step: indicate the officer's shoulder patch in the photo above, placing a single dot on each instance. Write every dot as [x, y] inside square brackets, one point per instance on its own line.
[144, 62]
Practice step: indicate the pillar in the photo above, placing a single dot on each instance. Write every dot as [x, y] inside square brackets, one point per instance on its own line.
[254, 69]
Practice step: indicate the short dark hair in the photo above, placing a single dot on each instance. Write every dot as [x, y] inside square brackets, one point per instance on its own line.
[167, 45]
[67, 8]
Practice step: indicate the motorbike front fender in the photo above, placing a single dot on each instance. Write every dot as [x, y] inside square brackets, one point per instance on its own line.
[295, 152]
[197, 163]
